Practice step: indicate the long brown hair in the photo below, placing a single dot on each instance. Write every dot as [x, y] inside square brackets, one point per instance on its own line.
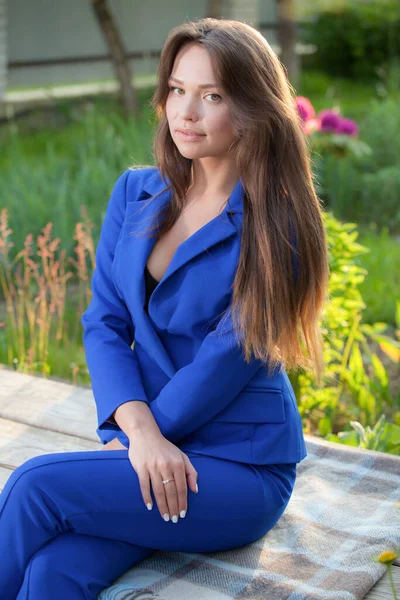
[274, 313]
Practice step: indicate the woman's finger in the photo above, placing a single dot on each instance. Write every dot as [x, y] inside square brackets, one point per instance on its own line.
[181, 489]
[172, 497]
[191, 474]
[144, 482]
[159, 493]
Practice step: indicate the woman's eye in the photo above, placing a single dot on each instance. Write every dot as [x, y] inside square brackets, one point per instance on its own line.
[172, 88]
[219, 97]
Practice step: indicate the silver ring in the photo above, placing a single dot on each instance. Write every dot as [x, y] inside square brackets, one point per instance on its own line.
[167, 480]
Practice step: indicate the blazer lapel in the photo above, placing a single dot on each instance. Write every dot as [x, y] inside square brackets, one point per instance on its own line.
[137, 249]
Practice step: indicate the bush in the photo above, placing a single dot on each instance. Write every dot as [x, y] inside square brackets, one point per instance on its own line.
[356, 386]
[356, 39]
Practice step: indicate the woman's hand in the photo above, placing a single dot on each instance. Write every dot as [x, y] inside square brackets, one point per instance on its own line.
[155, 458]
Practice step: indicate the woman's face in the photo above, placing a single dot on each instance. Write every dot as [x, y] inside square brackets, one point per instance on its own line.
[203, 110]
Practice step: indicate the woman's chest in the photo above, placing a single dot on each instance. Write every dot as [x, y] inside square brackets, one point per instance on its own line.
[194, 262]
[188, 223]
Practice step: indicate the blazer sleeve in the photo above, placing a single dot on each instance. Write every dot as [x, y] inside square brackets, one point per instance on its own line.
[108, 327]
[203, 388]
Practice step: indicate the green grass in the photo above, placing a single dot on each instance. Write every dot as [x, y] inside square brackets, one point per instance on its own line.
[48, 174]
[381, 286]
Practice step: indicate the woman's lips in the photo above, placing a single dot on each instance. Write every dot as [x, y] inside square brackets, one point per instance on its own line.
[189, 136]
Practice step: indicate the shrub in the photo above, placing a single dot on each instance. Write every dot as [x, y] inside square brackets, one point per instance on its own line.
[356, 386]
[356, 39]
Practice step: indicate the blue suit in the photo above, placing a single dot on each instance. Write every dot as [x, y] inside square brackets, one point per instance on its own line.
[72, 522]
[184, 364]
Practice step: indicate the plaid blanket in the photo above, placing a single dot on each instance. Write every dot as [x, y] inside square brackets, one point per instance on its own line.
[344, 510]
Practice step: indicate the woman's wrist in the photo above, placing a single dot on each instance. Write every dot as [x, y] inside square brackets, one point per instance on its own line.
[135, 416]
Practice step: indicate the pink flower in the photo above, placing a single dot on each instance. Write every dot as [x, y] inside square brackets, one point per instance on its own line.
[330, 120]
[305, 108]
[348, 127]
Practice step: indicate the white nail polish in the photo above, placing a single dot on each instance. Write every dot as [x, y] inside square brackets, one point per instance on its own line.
[149, 506]
[175, 519]
[182, 514]
[166, 517]
[197, 488]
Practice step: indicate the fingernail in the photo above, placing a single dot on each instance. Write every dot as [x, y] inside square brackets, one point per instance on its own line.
[182, 514]
[166, 517]
[149, 506]
[175, 519]
[197, 488]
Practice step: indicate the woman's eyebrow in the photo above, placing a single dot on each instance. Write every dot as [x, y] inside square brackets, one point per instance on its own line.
[204, 85]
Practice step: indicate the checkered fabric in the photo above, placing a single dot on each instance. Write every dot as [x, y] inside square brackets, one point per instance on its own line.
[344, 511]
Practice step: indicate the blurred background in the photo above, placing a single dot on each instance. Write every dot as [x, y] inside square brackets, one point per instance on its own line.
[76, 79]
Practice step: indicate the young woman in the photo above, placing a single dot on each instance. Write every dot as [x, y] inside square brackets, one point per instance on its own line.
[221, 295]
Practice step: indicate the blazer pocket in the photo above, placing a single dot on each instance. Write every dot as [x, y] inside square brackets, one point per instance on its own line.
[255, 406]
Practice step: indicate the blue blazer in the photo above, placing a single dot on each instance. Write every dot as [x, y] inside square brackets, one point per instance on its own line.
[184, 363]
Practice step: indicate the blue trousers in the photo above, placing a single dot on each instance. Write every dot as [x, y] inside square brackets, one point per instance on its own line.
[73, 522]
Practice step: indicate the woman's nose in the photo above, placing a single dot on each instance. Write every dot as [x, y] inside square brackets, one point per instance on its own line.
[189, 109]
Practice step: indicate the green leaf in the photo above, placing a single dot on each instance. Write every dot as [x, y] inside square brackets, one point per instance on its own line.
[325, 425]
[349, 438]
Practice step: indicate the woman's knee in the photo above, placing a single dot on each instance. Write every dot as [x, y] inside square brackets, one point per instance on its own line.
[32, 464]
[18, 479]
[28, 477]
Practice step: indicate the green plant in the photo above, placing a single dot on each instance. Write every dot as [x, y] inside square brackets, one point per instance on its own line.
[359, 178]
[381, 288]
[356, 386]
[48, 175]
[355, 38]
[382, 437]
[37, 336]
[387, 558]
